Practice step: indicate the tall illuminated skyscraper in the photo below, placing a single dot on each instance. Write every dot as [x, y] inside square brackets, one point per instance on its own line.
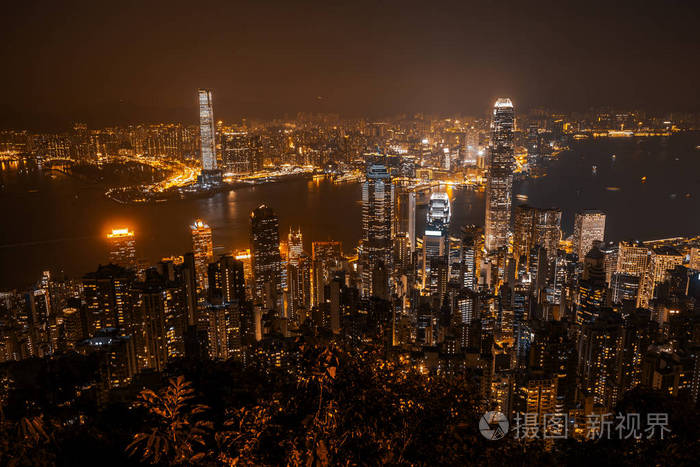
[206, 130]
[122, 249]
[589, 226]
[203, 249]
[499, 184]
[377, 222]
[266, 258]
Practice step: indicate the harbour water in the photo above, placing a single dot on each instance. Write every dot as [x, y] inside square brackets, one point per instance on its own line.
[57, 222]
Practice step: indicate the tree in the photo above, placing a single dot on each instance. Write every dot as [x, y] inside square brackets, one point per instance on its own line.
[175, 435]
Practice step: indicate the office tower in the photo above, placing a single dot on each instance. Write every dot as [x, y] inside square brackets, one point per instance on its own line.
[661, 259]
[377, 222]
[296, 246]
[236, 152]
[632, 258]
[227, 280]
[499, 182]
[588, 226]
[536, 227]
[109, 298]
[206, 130]
[203, 249]
[327, 257]
[122, 248]
[266, 259]
[406, 215]
[694, 259]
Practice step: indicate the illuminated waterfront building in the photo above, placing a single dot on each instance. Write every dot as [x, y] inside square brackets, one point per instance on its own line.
[377, 225]
[236, 153]
[122, 249]
[266, 258]
[589, 226]
[203, 249]
[206, 130]
[632, 258]
[439, 209]
[499, 183]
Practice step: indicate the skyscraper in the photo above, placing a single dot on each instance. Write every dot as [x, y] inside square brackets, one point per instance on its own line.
[406, 215]
[122, 250]
[377, 219]
[536, 227]
[296, 246]
[266, 258]
[203, 249]
[589, 225]
[236, 152]
[206, 130]
[499, 183]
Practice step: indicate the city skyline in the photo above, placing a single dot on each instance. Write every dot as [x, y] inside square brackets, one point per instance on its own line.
[372, 233]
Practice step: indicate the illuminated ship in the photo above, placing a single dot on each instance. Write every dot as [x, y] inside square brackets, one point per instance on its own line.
[439, 209]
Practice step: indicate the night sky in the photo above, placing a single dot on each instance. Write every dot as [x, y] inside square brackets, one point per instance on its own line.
[116, 62]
